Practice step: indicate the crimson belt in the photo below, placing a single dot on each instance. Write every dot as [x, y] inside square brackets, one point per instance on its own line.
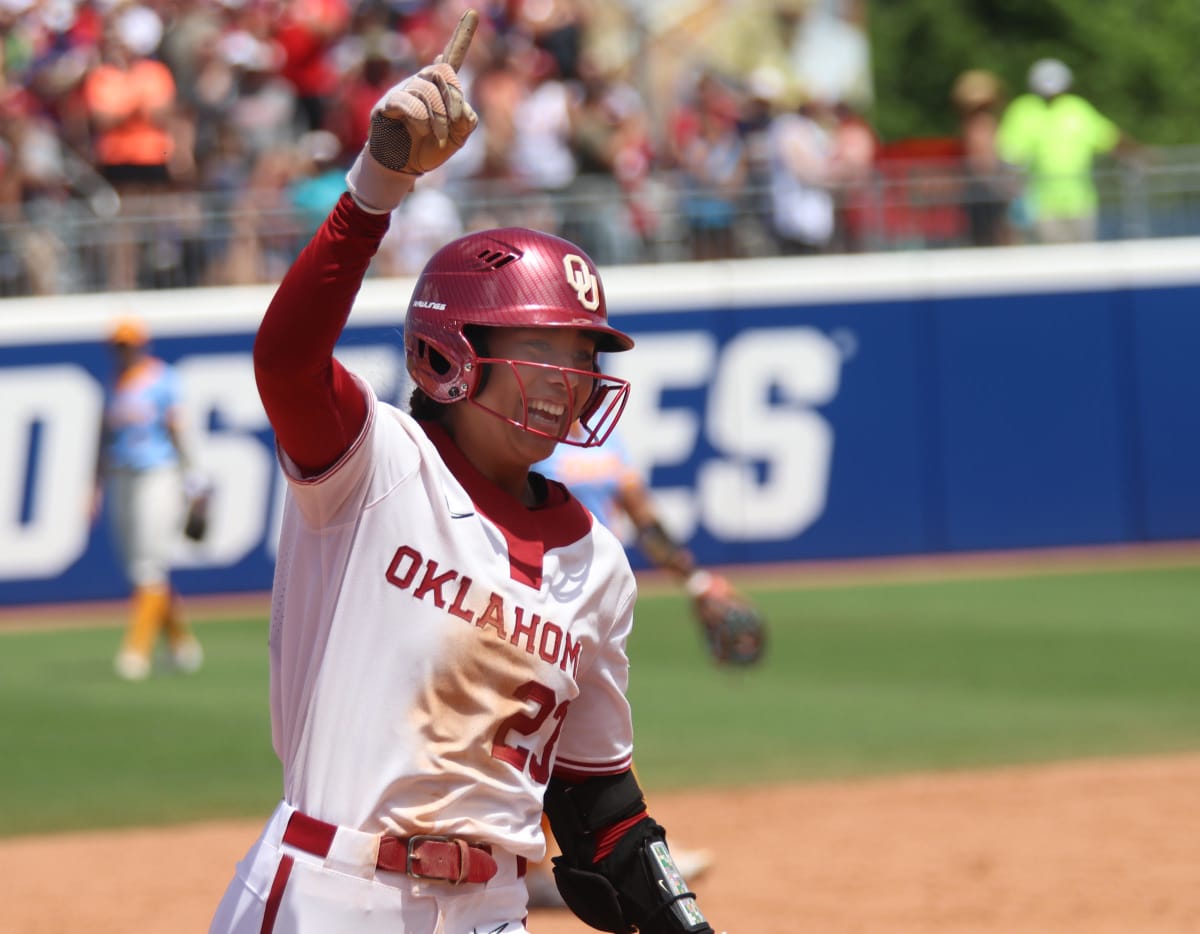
[423, 857]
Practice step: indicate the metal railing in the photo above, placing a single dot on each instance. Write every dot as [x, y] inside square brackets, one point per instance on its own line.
[188, 239]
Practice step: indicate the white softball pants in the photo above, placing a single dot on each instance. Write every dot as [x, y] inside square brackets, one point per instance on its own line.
[147, 509]
[343, 892]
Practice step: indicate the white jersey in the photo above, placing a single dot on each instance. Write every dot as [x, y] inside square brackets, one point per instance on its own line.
[437, 649]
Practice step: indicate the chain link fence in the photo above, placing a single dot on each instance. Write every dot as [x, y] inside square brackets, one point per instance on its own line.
[188, 239]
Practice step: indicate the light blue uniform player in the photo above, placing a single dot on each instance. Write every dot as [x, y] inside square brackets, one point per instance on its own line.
[605, 480]
[140, 465]
[598, 477]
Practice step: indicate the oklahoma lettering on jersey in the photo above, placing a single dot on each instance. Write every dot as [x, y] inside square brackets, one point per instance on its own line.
[462, 647]
[528, 628]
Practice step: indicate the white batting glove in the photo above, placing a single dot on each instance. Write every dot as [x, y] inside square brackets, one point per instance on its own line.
[415, 127]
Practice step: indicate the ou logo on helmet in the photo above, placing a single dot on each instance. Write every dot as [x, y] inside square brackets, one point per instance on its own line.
[581, 278]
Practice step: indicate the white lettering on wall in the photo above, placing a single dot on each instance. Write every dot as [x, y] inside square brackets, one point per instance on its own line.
[734, 428]
[774, 482]
[45, 536]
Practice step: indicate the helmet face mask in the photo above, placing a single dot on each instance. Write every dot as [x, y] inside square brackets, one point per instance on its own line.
[596, 414]
[510, 278]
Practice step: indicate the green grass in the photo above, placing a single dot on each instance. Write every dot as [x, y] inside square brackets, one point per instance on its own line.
[84, 749]
[882, 679]
[857, 681]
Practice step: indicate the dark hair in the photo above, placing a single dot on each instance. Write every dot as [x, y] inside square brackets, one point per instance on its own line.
[425, 409]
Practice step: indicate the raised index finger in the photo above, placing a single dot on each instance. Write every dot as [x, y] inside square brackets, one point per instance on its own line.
[456, 49]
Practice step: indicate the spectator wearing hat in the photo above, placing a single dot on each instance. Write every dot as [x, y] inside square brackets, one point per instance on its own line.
[1053, 137]
[264, 106]
[988, 185]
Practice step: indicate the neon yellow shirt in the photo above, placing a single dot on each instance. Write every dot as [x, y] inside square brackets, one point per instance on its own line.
[1055, 142]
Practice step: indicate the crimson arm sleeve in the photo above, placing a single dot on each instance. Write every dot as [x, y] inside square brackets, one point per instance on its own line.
[310, 398]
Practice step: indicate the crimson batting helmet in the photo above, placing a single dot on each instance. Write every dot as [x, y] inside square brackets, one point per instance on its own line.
[511, 277]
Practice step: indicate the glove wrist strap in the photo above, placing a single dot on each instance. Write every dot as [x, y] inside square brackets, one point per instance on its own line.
[375, 189]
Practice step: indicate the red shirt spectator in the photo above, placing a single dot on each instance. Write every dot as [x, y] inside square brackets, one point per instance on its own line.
[307, 33]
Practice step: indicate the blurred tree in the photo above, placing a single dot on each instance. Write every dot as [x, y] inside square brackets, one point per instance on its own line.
[1133, 59]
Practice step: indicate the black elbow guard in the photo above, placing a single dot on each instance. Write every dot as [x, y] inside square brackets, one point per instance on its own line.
[637, 885]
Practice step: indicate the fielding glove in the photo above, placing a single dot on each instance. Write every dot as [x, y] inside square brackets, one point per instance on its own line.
[734, 630]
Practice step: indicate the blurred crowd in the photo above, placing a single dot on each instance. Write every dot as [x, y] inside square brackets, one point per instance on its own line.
[203, 141]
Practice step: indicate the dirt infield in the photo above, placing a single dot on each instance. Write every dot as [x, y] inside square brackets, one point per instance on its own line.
[1103, 847]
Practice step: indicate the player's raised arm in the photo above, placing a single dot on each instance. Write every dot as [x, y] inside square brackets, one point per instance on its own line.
[313, 404]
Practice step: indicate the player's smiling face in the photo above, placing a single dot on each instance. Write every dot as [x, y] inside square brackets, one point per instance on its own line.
[547, 396]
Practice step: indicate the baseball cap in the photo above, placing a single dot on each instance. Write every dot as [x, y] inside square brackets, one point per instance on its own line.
[766, 83]
[140, 29]
[129, 331]
[1049, 76]
[975, 88]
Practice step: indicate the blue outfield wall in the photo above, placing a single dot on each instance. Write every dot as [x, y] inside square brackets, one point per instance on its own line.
[783, 410]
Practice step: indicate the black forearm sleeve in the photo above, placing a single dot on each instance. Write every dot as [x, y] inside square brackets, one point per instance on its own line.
[579, 810]
[636, 884]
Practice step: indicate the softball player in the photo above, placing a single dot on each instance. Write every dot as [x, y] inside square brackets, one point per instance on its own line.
[141, 463]
[448, 628]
